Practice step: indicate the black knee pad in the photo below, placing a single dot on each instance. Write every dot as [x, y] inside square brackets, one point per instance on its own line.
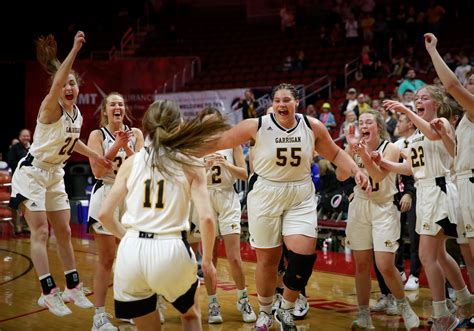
[298, 270]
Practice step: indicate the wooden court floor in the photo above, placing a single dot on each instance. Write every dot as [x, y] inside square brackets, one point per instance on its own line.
[331, 295]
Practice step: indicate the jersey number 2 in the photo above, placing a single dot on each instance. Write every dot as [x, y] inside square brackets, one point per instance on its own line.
[68, 147]
[216, 172]
[159, 203]
[417, 157]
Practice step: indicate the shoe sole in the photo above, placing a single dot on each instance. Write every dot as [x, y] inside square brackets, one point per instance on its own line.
[275, 318]
[55, 314]
[69, 299]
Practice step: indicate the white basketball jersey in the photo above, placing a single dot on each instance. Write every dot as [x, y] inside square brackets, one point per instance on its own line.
[403, 143]
[381, 191]
[155, 203]
[107, 143]
[428, 158]
[281, 154]
[465, 145]
[54, 143]
[220, 176]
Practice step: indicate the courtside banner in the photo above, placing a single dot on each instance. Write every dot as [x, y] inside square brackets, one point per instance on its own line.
[136, 79]
[191, 103]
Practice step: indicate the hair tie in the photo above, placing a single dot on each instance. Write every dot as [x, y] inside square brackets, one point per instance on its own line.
[161, 127]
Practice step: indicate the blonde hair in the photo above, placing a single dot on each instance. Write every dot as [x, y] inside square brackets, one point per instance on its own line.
[104, 120]
[446, 105]
[380, 123]
[170, 134]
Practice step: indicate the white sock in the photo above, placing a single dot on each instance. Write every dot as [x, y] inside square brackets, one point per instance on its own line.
[287, 304]
[212, 298]
[99, 310]
[242, 293]
[440, 309]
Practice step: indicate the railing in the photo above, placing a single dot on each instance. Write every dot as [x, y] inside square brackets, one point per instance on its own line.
[181, 77]
[326, 85]
[348, 70]
[103, 55]
[127, 38]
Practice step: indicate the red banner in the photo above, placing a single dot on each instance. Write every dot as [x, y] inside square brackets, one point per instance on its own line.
[136, 79]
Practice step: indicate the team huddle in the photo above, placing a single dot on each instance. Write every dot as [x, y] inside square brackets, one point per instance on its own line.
[153, 192]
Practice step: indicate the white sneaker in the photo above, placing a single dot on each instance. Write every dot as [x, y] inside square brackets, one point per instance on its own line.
[451, 307]
[301, 307]
[276, 302]
[403, 276]
[409, 317]
[77, 296]
[412, 284]
[54, 302]
[381, 304]
[248, 315]
[284, 317]
[214, 314]
[101, 322]
[264, 322]
[445, 323]
[392, 308]
[161, 307]
[363, 321]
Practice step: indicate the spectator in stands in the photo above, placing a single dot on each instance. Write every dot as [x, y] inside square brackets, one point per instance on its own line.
[462, 69]
[19, 150]
[390, 122]
[375, 105]
[287, 21]
[450, 61]
[352, 30]
[362, 105]
[327, 117]
[350, 118]
[408, 99]
[287, 64]
[350, 102]
[400, 67]
[367, 24]
[311, 111]
[248, 105]
[434, 15]
[410, 83]
[366, 61]
[336, 35]
[300, 63]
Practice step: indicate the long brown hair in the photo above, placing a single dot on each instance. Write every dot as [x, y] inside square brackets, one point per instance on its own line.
[104, 120]
[170, 134]
[47, 55]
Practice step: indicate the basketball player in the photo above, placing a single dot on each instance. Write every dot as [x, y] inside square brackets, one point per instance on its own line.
[157, 184]
[282, 201]
[464, 160]
[38, 184]
[437, 199]
[223, 169]
[116, 141]
[373, 223]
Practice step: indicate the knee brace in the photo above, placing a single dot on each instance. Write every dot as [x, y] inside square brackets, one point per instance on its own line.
[298, 270]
